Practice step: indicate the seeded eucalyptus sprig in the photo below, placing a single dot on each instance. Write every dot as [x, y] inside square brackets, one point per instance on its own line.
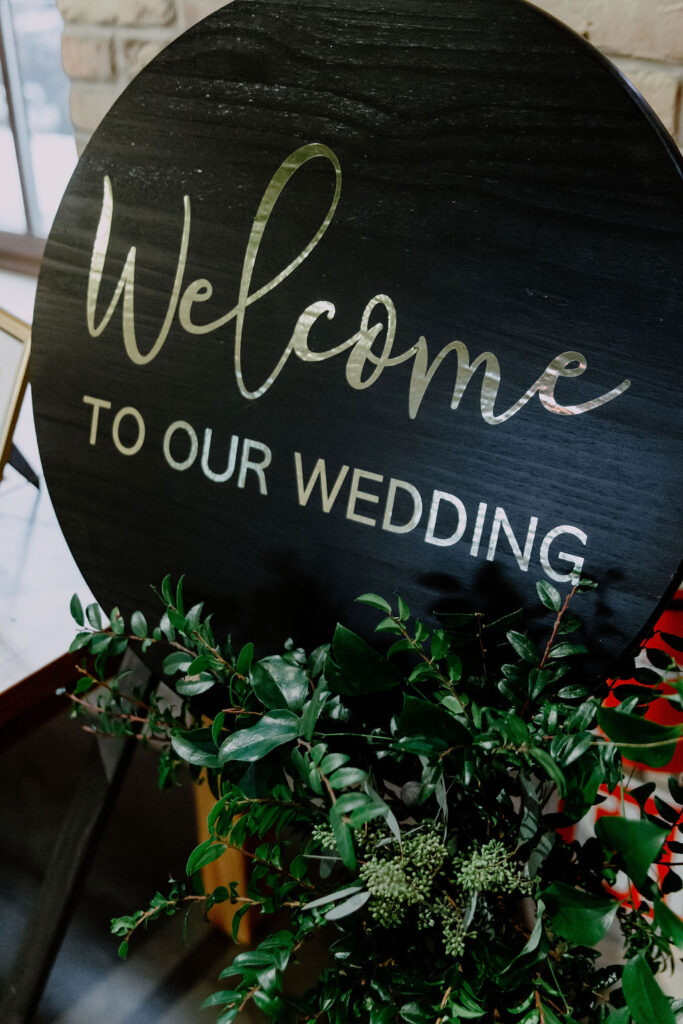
[407, 798]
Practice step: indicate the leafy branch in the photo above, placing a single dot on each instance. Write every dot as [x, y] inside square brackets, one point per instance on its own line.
[401, 799]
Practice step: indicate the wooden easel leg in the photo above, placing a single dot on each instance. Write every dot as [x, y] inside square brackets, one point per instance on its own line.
[86, 818]
[17, 460]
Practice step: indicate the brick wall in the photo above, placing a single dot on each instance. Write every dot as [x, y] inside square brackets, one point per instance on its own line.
[106, 42]
[644, 38]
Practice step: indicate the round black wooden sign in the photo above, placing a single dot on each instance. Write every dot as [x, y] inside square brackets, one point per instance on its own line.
[368, 295]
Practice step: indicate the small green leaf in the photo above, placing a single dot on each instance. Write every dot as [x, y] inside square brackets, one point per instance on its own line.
[644, 998]
[549, 595]
[389, 625]
[221, 998]
[278, 683]
[204, 854]
[343, 838]
[313, 709]
[265, 687]
[279, 727]
[99, 642]
[375, 601]
[440, 644]
[138, 624]
[566, 650]
[116, 622]
[76, 609]
[179, 595]
[269, 1004]
[345, 777]
[553, 770]
[123, 950]
[196, 747]
[244, 659]
[177, 662]
[579, 916]
[166, 591]
[639, 739]
[289, 677]
[524, 647]
[360, 668]
[403, 610]
[333, 761]
[534, 939]
[466, 1012]
[79, 641]
[669, 923]
[199, 664]
[194, 685]
[638, 842]
[578, 744]
[333, 897]
[349, 906]
[217, 726]
[416, 1013]
[176, 618]
[94, 616]
[454, 665]
[234, 928]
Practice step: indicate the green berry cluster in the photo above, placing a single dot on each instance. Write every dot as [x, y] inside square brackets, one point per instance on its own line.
[399, 878]
[487, 869]
[447, 915]
[453, 925]
[324, 835]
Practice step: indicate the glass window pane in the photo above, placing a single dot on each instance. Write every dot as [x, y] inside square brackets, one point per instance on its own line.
[38, 30]
[11, 203]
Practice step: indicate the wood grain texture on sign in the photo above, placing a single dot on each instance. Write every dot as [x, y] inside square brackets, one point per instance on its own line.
[500, 186]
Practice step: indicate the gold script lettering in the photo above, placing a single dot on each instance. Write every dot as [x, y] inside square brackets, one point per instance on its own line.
[360, 344]
[126, 283]
[201, 290]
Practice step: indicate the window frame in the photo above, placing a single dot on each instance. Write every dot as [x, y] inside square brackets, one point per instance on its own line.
[19, 252]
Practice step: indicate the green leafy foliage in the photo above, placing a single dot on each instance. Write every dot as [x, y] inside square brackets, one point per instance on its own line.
[646, 1002]
[580, 917]
[637, 842]
[406, 796]
[639, 739]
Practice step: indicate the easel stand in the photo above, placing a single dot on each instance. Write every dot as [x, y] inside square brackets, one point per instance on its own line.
[18, 462]
[76, 844]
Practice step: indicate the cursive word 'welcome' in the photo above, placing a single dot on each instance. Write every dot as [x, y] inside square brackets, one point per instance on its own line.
[369, 355]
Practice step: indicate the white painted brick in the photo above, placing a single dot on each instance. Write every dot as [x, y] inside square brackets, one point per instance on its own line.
[89, 57]
[90, 12]
[145, 12]
[195, 10]
[136, 53]
[634, 28]
[118, 12]
[89, 103]
[661, 87]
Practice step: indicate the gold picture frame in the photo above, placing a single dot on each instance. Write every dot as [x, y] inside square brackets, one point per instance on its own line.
[15, 351]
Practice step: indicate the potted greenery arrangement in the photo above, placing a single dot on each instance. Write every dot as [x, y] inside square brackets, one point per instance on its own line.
[408, 801]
